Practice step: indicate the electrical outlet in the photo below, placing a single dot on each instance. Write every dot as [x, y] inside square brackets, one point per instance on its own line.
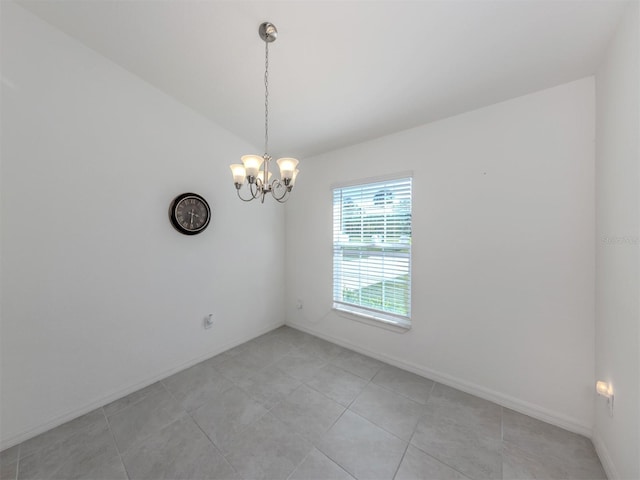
[299, 304]
[208, 321]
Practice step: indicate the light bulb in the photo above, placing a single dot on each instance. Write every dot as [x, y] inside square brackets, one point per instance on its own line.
[604, 389]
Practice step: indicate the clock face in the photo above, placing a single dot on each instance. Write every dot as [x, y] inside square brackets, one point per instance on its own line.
[189, 213]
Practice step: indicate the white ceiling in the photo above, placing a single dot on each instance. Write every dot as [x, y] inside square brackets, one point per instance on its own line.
[341, 71]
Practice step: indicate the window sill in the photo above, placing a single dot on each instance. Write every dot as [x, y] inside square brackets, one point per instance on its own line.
[393, 326]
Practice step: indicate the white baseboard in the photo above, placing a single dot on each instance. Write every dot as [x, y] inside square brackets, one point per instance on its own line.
[516, 404]
[77, 412]
[605, 457]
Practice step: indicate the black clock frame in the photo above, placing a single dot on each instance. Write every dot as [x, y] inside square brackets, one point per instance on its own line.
[173, 217]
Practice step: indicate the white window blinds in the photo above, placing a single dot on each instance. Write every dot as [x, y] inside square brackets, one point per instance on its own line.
[372, 250]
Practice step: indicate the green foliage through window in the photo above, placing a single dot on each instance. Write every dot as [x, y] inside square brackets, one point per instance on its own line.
[389, 295]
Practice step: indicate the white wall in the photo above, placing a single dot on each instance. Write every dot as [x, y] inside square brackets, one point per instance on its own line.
[618, 244]
[100, 295]
[503, 251]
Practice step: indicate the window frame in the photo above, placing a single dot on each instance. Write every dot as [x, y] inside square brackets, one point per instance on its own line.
[372, 316]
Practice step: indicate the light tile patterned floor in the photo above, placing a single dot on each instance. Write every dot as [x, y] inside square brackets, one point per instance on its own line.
[288, 405]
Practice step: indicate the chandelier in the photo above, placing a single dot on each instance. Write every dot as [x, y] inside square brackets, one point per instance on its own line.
[254, 170]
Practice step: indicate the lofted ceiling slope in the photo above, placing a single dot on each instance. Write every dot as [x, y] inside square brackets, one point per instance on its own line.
[341, 72]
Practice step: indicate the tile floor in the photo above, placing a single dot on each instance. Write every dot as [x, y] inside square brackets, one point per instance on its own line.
[288, 405]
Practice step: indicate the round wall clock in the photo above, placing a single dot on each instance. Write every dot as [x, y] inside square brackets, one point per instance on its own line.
[189, 213]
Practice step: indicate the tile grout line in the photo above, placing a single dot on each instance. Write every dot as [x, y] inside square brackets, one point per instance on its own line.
[501, 441]
[269, 411]
[235, 433]
[415, 427]
[348, 408]
[360, 392]
[252, 397]
[338, 465]
[323, 394]
[74, 433]
[18, 461]
[300, 463]
[199, 427]
[401, 460]
[328, 429]
[211, 441]
[427, 453]
[113, 437]
[401, 394]
[274, 396]
[344, 409]
[328, 458]
[142, 440]
[380, 426]
[433, 386]
[297, 434]
[355, 374]
[440, 461]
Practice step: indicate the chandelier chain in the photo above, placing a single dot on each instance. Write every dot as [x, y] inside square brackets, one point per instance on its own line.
[266, 97]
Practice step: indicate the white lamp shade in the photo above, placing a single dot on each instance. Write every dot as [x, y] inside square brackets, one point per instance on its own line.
[239, 173]
[252, 164]
[293, 177]
[287, 167]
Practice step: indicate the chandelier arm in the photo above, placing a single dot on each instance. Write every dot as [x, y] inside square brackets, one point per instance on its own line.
[274, 186]
[244, 199]
[282, 199]
[258, 189]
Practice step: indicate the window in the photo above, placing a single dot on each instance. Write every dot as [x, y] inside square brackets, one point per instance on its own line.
[372, 250]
